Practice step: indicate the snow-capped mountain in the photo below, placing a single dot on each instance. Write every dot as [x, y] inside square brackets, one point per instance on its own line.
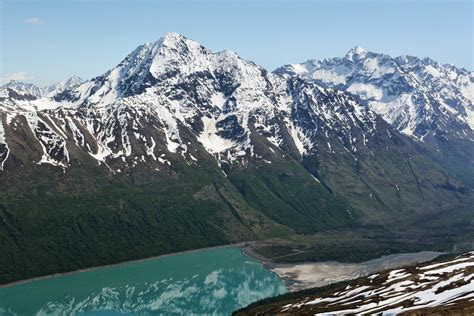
[428, 101]
[441, 288]
[177, 83]
[174, 101]
[193, 148]
[21, 88]
[56, 88]
[174, 97]
[420, 97]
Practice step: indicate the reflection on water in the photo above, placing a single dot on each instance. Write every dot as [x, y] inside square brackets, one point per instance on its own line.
[216, 281]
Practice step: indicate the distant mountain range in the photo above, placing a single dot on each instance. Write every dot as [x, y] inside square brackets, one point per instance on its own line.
[178, 147]
[428, 101]
[32, 90]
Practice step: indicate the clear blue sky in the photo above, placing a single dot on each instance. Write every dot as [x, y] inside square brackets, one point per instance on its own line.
[46, 41]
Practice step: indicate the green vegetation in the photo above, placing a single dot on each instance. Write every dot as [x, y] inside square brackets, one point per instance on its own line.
[287, 194]
[57, 222]
[88, 218]
[351, 246]
[328, 206]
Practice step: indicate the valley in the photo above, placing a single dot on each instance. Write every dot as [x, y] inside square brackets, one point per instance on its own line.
[203, 157]
[178, 147]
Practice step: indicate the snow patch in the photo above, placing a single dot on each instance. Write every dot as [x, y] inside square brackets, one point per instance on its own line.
[3, 143]
[209, 138]
[299, 69]
[366, 91]
[430, 70]
[218, 100]
[328, 76]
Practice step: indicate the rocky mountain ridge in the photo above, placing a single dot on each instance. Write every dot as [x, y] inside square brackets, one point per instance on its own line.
[426, 100]
[31, 90]
[417, 96]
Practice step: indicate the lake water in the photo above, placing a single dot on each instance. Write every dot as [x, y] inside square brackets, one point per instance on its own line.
[214, 281]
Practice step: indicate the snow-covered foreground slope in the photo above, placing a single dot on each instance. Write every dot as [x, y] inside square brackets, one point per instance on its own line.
[436, 285]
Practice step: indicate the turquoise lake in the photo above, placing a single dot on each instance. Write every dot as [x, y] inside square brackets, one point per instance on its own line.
[210, 282]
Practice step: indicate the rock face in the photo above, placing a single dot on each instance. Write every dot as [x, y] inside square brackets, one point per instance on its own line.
[194, 148]
[435, 288]
[431, 102]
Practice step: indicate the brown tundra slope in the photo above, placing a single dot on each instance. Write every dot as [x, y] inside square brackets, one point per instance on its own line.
[440, 288]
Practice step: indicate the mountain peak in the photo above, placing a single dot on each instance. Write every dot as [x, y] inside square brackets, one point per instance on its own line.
[73, 80]
[22, 88]
[172, 37]
[174, 46]
[172, 53]
[356, 52]
[175, 40]
[74, 77]
[13, 83]
[62, 85]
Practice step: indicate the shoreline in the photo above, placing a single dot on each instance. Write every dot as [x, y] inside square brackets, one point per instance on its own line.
[311, 274]
[247, 251]
[112, 265]
[270, 266]
[288, 273]
[306, 275]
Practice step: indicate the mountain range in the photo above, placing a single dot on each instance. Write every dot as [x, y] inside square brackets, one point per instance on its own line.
[428, 101]
[178, 147]
[38, 92]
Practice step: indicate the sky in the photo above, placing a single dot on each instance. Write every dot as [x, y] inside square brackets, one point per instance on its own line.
[47, 41]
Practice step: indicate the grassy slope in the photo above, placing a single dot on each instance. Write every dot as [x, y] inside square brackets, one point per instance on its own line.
[430, 209]
[59, 221]
[287, 194]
